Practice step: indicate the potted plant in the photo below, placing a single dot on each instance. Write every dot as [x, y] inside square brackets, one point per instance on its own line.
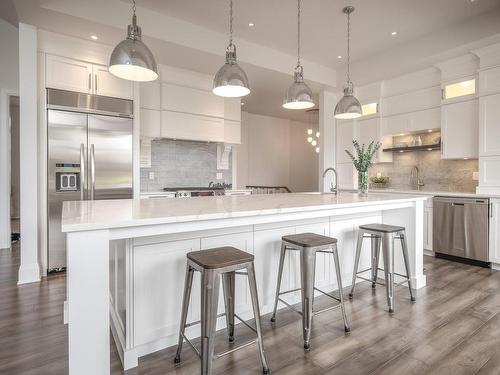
[363, 160]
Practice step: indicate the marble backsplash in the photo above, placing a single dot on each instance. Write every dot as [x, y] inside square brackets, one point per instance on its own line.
[436, 173]
[176, 163]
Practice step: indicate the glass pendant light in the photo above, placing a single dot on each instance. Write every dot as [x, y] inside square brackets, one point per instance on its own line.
[348, 107]
[231, 81]
[299, 95]
[131, 59]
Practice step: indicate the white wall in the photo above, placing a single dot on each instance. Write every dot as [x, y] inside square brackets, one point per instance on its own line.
[274, 152]
[9, 84]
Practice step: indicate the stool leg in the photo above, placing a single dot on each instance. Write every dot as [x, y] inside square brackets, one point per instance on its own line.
[228, 282]
[359, 245]
[278, 286]
[339, 283]
[209, 300]
[375, 258]
[188, 283]
[256, 312]
[307, 269]
[404, 246]
[388, 249]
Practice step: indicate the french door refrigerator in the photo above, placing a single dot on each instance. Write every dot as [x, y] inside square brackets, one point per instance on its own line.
[89, 156]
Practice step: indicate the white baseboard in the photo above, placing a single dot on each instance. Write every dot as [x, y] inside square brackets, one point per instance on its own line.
[429, 253]
[29, 273]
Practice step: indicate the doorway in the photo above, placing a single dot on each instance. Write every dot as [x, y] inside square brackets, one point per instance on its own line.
[15, 215]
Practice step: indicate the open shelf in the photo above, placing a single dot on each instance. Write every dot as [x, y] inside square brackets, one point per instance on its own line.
[414, 148]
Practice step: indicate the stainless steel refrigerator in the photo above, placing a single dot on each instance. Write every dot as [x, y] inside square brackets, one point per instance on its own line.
[89, 156]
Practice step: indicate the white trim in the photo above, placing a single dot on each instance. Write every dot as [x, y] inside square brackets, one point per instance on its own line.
[5, 153]
[28, 273]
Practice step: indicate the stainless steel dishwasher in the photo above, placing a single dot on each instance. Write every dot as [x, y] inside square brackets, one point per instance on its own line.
[461, 229]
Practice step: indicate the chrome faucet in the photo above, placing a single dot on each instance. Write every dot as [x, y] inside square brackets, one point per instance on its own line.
[333, 189]
[415, 178]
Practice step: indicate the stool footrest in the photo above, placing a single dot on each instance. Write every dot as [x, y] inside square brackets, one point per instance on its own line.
[245, 323]
[235, 349]
[191, 344]
[199, 321]
[327, 294]
[289, 291]
[290, 306]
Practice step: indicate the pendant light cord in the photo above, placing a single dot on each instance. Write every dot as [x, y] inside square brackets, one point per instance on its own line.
[133, 6]
[298, 33]
[348, 47]
[230, 22]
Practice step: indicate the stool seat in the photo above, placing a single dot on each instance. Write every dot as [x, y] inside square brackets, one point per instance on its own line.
[383, 228]
[309, 240]
[220, 257]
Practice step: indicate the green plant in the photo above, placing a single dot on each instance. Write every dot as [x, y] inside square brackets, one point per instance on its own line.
[363, 159]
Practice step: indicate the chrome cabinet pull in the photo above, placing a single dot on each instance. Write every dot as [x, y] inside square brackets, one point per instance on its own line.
[90, 82]
[491, 209]
[82, 171]
[92, 172]
[95, 88]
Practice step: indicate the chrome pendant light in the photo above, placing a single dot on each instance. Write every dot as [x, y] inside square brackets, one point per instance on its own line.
[131, 59]
[348, 107]
[299, 95]
[231, 81]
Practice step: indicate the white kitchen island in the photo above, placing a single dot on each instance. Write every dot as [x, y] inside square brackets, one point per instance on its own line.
[126, 259]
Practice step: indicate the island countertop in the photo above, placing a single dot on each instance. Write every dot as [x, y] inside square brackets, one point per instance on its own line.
[120, 213]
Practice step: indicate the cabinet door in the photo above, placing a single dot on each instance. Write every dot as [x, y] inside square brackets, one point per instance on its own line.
[232, 131]
[368, 130]
[107, 84]
[150, 123]
[68, 74]
[424, 120]
[428, 212]
[190, 100]
[489, 125]
[459, 130]
[232, 109]
[191, 127]
[345, 135]
[494, 245]
[396, 124]
[150, 93]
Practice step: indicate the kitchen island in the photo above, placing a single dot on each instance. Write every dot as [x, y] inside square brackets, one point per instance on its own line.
[126, 259]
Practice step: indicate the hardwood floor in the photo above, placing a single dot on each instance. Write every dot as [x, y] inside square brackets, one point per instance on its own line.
[453, 328]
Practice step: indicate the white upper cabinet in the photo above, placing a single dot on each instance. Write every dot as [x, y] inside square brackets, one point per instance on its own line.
[68, 74]
[107, 84]
[459, 130]
[232, 131]
[150, 93]
[345, 135]
[396, 124]
[424, 120]
[232, 109]
[189, 100]
[150, 123]
[74, 75]
[369, 130]
[187, 126]
[489, 125]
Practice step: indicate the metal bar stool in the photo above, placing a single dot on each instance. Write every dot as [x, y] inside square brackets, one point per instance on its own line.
[383, 234]
[213, 263]
[309, 244]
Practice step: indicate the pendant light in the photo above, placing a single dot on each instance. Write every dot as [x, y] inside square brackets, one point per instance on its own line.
[231, 81]
[131, 59]
[299, 95]
[348, 107]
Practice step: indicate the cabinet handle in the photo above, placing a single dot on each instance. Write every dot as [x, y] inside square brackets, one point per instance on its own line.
[442, 147]
[491, 209]
[90, 82]
[95, 88]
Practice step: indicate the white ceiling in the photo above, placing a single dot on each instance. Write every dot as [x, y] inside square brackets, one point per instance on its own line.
[324, 24]
[192, 34]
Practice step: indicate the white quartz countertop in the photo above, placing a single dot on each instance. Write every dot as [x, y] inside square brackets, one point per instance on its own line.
[120, 213]
[427, 193]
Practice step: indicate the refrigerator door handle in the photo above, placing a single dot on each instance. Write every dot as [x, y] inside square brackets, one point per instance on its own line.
[82, 171]
[92, 172]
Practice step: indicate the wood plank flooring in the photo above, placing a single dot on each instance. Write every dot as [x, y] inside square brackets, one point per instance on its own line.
[453, 328]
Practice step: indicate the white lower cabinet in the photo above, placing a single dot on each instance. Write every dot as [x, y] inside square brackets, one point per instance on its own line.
[494, 249]
[428, 213]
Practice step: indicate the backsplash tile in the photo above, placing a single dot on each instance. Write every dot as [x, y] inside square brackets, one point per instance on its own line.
[182, 164]
[437, 174]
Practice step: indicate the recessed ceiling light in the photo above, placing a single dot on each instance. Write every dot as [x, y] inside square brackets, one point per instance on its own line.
[339, 57]
[251, 24]
[94, 37]
[394, 33]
